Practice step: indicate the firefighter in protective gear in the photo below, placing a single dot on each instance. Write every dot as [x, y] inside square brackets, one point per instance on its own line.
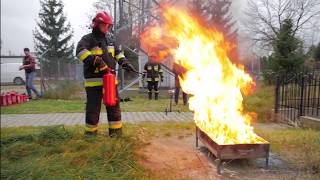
[99, 55]
[154, 73]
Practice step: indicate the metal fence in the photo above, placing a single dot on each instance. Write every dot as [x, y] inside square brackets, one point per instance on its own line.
[297, 95]
[60, 69]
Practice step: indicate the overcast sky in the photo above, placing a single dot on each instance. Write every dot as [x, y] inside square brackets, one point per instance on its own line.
[18, 20]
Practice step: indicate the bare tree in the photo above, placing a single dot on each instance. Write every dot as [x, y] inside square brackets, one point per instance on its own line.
[265, 18]
[104, 5]
[99, 5]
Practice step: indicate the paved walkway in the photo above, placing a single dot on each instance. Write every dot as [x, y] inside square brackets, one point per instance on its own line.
[16, 120]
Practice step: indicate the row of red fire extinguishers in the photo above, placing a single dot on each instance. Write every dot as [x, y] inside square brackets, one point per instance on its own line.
[12, 97]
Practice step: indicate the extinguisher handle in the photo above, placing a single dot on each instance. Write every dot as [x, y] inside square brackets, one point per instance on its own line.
[109, 70]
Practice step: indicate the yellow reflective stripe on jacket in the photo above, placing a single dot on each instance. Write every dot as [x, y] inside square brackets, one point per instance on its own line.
[119, 56]
[111, 50]
[82, 55]
[93, 82]
[115, 124]
[96, 51]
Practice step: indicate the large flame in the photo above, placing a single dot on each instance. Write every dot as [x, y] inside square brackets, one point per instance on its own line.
[215, 84]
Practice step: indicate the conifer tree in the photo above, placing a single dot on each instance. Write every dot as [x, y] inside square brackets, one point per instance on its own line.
[52, 37]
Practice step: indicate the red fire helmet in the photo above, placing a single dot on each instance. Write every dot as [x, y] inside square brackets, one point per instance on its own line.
[101, 17]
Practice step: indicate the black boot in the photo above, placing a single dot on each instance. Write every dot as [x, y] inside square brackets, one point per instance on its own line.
[150, 95]
[90, 136]
[156, 96]
[90, 133]
[114, 133]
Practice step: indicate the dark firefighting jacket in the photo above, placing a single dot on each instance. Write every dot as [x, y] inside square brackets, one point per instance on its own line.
[153, 71]
[97, 44]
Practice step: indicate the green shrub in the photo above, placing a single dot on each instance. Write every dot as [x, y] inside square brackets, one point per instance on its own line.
[261, 102]
[63, 90]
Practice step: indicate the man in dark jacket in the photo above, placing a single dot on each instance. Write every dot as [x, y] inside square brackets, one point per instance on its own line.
[154, 73]
[29, 64]
[179, 71]
[100, 55]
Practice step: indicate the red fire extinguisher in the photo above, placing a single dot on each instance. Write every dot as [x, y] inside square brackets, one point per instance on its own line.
[109, 89]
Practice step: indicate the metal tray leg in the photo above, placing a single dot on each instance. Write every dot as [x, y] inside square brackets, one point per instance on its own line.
[197, 138]
[219, 166]
[267, 160]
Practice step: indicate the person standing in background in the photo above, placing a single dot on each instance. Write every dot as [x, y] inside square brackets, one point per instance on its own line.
[154, 73]
[178, 70]
[29, 64]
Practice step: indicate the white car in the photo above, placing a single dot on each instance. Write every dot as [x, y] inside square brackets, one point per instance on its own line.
[10, 74]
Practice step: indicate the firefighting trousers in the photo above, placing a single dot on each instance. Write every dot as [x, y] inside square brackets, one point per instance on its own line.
[153, 85]
[176, 96]
[93, 106]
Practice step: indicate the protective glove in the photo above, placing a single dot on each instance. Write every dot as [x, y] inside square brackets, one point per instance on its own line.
[128, 67]
[106, 69]
[98, 62]
[161, 79]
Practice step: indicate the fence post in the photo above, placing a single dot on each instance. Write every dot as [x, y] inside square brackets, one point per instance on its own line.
[277, 93]
[301, 97]
[59, 71]
[41, 77]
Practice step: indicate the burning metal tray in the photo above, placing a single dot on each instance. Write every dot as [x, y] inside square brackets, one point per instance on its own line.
[233, 151]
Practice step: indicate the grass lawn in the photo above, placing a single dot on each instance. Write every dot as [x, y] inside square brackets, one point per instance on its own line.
[64, 153]
[144, 105]
[139, 103]
[260, 102]
[45, 106]
[299, 147]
